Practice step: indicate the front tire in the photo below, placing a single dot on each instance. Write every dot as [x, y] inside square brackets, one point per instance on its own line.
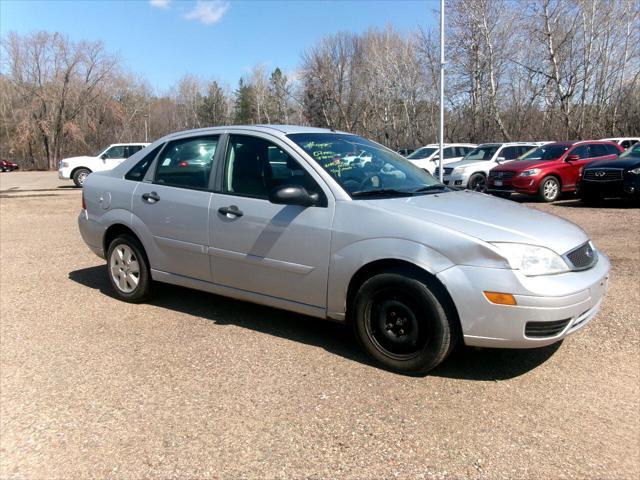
[478, 182]
[128, 269]
[549, 190]
[80, 175]
[402, 323]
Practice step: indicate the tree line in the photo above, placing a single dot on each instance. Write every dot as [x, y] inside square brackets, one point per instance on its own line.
[519, 70]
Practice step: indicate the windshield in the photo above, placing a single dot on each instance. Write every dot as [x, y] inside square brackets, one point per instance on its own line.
[382, 172]
[99, 151]
[485, 152]
[633, 151]
[424, 152]
[546, 152]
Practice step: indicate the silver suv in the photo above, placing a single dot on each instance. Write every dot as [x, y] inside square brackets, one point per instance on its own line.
[273, 215]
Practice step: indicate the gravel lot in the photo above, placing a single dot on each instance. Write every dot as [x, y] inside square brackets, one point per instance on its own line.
[193, 385]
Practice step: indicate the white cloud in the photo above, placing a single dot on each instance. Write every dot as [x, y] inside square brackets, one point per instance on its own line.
[160, 3]
[208, 11]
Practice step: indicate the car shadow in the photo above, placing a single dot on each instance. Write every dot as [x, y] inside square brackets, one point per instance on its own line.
[464, 363]
[572, 201]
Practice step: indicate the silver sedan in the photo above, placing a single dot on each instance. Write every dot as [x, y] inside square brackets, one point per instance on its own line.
[274, 215]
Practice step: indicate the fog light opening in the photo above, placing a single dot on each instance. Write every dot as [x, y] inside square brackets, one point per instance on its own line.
[500, 298]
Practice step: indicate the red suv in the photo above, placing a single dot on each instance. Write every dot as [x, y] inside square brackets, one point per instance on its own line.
[550, 169]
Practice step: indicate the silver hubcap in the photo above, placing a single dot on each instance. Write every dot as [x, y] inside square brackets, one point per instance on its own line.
[125, 269]
[82, 177]
[550, 189]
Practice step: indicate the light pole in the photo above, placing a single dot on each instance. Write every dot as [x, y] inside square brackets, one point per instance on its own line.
[442, 62]
[146, 129]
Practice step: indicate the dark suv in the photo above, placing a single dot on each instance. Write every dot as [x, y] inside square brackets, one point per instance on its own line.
[613, 178]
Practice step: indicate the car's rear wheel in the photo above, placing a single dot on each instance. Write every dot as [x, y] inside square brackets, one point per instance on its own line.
[549, 190]
[478, 182]
[128, 269]
[402, 323]
[80, 175]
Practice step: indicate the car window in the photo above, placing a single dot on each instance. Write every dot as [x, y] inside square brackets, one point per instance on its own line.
[482, 153]
[131, 149]
[423, 152]
[598, 150]
[187, 162]
[582, 151]
[611, 149]
[449, 152]
[115, 152]
[138, 172]
[634, 151]
[254, 167]
[509, 153]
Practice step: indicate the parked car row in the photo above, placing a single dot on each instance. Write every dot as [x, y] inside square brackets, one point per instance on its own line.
[543, 169]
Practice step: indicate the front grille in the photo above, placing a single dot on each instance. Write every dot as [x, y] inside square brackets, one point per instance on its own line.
[545, 329]
[502, 175]
[447, 171]
[582, 257]
[602, 174]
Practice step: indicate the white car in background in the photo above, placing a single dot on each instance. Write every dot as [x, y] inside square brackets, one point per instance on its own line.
[428, 158]
[624, 142]
[472, 171]
[77, 168]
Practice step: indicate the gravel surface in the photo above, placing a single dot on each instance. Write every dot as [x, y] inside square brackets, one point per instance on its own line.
[194, 385]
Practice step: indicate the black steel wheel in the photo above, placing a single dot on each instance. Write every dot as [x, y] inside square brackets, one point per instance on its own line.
[402, 323]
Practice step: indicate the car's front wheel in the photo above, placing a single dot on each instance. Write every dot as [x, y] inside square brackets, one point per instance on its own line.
[128, 269]
[549, 190]
[80, 175]
[402, 323]
[478, 182]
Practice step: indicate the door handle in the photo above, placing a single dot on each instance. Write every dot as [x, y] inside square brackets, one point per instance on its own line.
[152, 197]
[230, 210]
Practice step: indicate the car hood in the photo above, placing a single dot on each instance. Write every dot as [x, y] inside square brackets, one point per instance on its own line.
[470, 163]
[625, 163]
[489, 219]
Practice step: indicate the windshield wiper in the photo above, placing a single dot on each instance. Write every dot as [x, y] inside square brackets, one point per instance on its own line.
[429, 188]
[383, 192]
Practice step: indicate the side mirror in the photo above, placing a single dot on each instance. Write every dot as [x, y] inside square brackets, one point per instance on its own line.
[103, 156]
[500, 159]
[293, 195]
[435, 158]
[573, 158]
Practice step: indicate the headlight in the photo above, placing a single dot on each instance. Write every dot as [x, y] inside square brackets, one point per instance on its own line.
[64, 164]
[528, 173]
[531, 259]
[635, 171]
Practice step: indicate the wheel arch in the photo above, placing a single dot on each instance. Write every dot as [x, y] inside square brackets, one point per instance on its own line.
[119, 229]
[73, 172]
[404, 267]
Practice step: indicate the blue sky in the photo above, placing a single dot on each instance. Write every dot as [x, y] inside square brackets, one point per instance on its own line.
[162, 40]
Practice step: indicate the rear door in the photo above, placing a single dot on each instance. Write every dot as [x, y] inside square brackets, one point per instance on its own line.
[276, 250]
[570, 170]
[174, 206]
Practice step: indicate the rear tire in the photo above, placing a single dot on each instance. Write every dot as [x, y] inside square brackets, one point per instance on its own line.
[549, 190]
[80, 175]
[478, 183]
[402, 323]
[128, 269]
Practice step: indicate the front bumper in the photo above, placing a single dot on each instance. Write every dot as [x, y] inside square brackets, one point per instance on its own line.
[456, 180]
[561, 304]
[527, 185]
[64, 173]
[629, 186]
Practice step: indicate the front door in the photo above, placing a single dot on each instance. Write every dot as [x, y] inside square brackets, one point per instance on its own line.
[276, 250]
[174, 206]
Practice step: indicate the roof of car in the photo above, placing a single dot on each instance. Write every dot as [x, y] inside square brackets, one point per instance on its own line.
[284, 129]
[128, 143]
